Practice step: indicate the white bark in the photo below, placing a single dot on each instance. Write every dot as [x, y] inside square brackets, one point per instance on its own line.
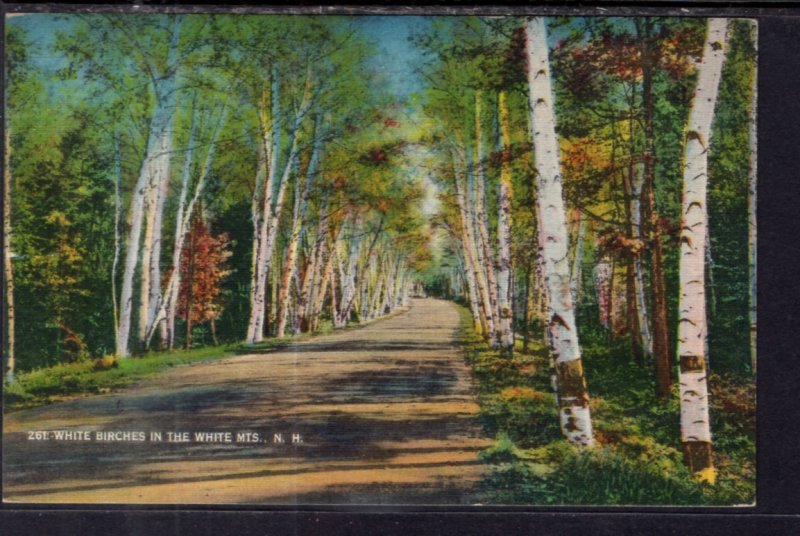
[271, 212]
[180, 232]
[485, 254]
[504, 294]
[318, 295]
[347, 275]
[117, 227]
[150, 290]
[576, 273]
[160, 123]
[692, 323]
[602, 285]
[641, 304]
[298, 218]
[8, 268]
[752, 202]
[473, 201]
[465, 239]
[320, 273]
[169, 303]
[576, 421]
[308, 274]
[268, 156]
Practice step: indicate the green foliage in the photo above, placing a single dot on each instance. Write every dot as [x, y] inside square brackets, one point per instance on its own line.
[64, 115]
[528, 416]
[606, 477]
[638, 460]
[729, 164]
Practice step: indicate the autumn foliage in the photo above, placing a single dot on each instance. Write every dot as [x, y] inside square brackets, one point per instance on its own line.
[203, 268]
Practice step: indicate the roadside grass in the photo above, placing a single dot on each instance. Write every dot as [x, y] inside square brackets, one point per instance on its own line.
[638, 459]
[98, 376]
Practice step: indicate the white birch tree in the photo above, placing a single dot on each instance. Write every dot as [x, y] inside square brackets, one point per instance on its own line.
[573, 396]
[164, 89]
[753, 203]
[504, 293]
[692, 321]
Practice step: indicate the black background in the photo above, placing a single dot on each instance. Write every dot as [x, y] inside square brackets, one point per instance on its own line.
[778, 390]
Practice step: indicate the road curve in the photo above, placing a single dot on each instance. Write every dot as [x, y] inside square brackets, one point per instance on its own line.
[385, 414]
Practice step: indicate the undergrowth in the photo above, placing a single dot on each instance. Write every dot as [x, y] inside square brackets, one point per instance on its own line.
[637, 460]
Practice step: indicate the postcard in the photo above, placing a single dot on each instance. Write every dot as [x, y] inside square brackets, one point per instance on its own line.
[271, 259]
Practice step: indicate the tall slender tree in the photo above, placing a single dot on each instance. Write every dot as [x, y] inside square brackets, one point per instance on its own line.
[692, 321]
[573, 396]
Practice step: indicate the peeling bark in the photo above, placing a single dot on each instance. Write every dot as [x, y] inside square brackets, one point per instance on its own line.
[692, 321]
[573, 396]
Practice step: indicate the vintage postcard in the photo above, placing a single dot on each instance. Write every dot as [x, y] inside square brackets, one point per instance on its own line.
[278, 259]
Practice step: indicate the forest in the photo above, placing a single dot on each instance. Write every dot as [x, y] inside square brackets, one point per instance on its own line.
[583, 188]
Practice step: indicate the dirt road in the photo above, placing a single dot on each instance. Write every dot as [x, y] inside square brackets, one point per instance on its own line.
[384, 414]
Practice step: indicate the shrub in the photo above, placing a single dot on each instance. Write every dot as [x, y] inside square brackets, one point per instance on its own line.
[105, 363]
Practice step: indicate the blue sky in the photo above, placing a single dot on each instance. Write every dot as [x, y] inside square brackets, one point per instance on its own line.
[397, 57]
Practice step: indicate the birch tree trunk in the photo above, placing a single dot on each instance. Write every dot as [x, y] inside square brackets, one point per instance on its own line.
[117, 227]
[180, 232]
[319, 296]
[479, 319]
[168, 304]
[476, 262]
[8, 268]
[577, 261]
[573, 397]
[375, 306]
[187, 343]
[309, 273]
[752, 203]
[320, 284]
[160, 124]
[151, 264]
[150, 289]
[271, 212]
[692, 323]
[603, 274]
[298, 216]
[504, 294]
[484, 248]
[641, 302]
[348, 276]
[268, 155]
[484, 293]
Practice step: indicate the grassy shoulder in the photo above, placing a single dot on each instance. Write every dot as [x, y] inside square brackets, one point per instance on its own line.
[638, 458]
[98, 376]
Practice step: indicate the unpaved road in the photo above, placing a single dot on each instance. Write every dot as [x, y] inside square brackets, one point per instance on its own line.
[386, 414]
